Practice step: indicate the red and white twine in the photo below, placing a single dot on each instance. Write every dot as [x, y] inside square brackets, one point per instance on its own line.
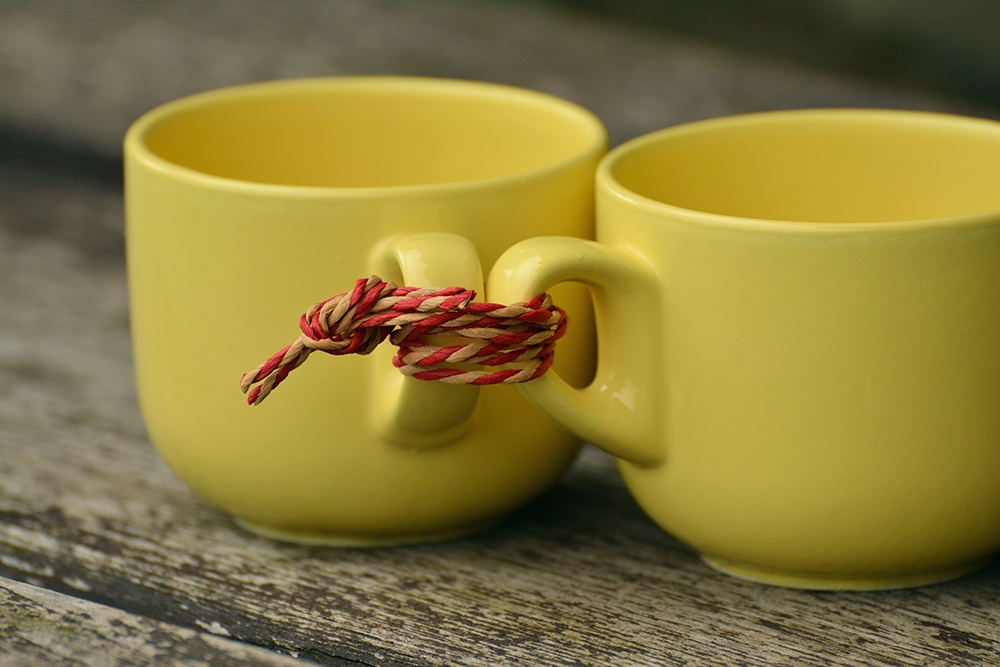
[490, 334]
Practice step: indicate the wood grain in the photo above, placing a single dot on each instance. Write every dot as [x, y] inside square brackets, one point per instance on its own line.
[40, 627]
[580, 577]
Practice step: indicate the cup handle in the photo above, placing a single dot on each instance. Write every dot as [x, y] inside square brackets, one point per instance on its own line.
[415, 414]
[620, 411]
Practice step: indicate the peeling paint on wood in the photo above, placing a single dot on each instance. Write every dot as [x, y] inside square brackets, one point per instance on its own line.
[40, 627]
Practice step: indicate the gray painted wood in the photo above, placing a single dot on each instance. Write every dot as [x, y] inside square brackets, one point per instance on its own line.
[44, 628]
[580, 577]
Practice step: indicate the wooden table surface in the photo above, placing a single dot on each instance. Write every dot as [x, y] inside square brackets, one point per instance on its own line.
[107, 559]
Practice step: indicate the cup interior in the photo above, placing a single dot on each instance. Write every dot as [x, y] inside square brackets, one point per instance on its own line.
[819, 166]
[371, 132]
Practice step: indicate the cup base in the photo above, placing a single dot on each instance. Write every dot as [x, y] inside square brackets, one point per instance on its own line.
[843, 583]
[355, 541]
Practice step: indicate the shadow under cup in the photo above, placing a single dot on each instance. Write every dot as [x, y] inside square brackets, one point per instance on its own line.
[799, 340]
[246, 205]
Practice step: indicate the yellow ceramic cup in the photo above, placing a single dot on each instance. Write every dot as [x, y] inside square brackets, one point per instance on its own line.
[246, 205]
[799, 340]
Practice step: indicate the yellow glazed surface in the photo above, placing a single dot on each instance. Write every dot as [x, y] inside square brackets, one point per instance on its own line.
[799, 340]
[246, 205]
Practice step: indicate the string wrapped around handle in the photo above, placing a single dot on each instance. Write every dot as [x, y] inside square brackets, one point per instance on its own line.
[521, 335]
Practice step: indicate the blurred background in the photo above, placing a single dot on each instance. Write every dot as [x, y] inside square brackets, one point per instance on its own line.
[950, 47]
[75, 73]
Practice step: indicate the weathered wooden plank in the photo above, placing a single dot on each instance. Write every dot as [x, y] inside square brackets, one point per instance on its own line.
[580, 577]
[84, 70]
[44, 628]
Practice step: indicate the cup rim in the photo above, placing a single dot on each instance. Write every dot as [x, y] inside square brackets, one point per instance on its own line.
[134, 145]
[608, 185]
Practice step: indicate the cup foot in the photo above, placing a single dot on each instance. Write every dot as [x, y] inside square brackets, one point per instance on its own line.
[848, 582]
[356, 541]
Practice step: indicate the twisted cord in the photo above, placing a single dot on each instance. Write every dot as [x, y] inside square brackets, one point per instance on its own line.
[486, 334]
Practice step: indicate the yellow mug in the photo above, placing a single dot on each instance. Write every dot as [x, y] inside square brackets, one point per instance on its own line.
[798, 341]
[246, 205]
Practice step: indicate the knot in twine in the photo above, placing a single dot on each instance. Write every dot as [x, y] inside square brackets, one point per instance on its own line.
[490, 334]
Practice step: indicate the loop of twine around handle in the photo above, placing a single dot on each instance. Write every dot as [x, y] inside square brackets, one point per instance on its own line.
[356, 322]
